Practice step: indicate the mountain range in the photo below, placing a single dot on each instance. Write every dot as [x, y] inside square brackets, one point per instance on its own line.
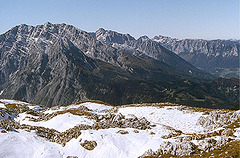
[54, 64]
[219, 57]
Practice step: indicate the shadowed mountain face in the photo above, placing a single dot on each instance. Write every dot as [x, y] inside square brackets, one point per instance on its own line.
[220, 57]
[55, 64]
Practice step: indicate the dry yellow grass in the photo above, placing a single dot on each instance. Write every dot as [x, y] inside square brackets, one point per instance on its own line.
[12, 106]
[235, 124]
[231, 149]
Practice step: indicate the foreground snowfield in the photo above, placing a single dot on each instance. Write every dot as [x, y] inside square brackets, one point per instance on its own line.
[93, 129]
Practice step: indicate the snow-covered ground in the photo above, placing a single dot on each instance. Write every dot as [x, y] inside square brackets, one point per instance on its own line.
[2, 105]
[169, 116]
[24, 144]
[168, 124]
[7, 101]
[61, 122]
[99, 108]
[95, 107]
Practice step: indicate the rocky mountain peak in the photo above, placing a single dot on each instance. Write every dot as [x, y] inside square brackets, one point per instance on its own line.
[48, 24]
[144, 38]
[111, 37]
[100, 31]
[161, 38]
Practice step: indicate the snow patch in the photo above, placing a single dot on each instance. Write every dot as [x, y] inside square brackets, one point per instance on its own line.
[169, 116]
[237, 133]
[60, 122]
[1, 92]
[2, 105]
[100, 108]
[35, 108]
[26, 144]
[7, 101]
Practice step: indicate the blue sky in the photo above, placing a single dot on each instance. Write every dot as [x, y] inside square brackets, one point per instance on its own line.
[207, 19]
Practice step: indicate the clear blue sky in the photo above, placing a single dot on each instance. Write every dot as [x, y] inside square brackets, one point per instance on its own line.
[207, 19]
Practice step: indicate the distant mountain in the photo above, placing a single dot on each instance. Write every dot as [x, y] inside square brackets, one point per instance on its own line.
[54, 64]
[220, 57]
[145, 47]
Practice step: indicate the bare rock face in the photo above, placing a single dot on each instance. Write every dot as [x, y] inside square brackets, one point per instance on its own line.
[35, 61]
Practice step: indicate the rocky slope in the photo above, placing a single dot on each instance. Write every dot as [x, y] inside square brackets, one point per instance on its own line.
[186, 92]
[55, 64]
[95, 129]
[144, 47]
[220, 57]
